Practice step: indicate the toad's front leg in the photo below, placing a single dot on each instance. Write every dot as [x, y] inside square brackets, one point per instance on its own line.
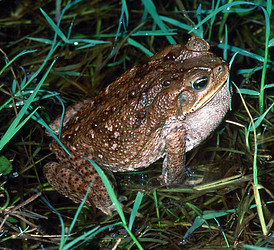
[174, 163]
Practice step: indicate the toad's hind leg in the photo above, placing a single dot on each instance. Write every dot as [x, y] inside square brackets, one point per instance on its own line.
[74, 184]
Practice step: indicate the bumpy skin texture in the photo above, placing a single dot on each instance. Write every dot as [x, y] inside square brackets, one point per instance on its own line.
[162, 108]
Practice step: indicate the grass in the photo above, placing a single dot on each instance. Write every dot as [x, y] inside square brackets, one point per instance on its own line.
[65, 51]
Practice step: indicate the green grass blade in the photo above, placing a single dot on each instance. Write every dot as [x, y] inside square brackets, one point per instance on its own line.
[271, 85]
[76, 216]
[220, 9]
[154, 33]
[156, 206]
[250, 247]
[58, 32]
[87, 236]
[54, 26]
[125, 8]
[267, 34]
[242, 52]
[180, 25]
[198, 15]
[114, 200]
[135, 208]
[89, 41]
[24, 121]
[139, 46]
[226, 44]
[249, 92]
[258, 202]
[41, 40]
[53, 48]
[109, 189]
[213, 18]
[196, 224]
[13, 127]
[259, 120]
[251, 70]
[40, 120]
[226, 240]
[271, 43]
[56, 212]
[207, 215]
[75, 241]
[13, 59]
[151, 9]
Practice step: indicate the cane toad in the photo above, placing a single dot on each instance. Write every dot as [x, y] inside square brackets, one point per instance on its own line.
[162, 108]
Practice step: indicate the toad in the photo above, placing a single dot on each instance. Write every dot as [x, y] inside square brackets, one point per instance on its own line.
[160, 109]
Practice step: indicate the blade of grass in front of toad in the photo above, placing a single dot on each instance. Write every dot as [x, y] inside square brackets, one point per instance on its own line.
[41, 121]
[114, 200]
[109, 189]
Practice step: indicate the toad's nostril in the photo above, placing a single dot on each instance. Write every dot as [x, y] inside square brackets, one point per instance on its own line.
[213, 59]
[221, 68]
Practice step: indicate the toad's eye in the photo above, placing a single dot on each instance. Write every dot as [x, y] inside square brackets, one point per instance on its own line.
[200, 83]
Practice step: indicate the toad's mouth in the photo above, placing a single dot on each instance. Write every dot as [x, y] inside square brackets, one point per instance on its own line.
[208, 98]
